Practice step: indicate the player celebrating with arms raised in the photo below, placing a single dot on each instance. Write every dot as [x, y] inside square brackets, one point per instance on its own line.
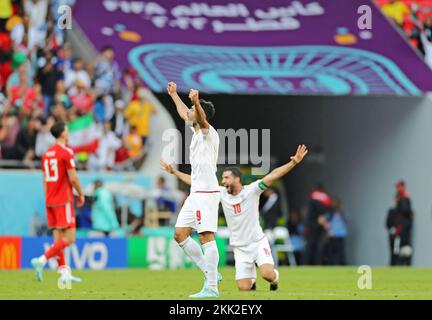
[59, 177]
[200, 210]
[241, 209]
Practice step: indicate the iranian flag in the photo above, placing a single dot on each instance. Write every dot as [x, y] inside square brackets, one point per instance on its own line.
[83, 135]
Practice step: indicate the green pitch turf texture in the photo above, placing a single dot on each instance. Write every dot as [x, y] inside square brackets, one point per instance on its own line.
[303, 283]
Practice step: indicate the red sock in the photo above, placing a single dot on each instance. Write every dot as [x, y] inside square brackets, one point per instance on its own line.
[55, 249]
[60, 259]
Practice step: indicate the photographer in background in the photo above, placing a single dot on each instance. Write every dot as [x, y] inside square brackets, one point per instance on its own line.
[399, 224]
[103, 214]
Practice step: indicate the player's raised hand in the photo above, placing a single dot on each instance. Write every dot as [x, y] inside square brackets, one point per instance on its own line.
[300, 154]
[167, 167]
[171, 88]
[194, 95]
[80, 201]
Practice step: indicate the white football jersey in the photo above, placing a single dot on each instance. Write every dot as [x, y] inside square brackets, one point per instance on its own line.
[242, 214]
[203, 158]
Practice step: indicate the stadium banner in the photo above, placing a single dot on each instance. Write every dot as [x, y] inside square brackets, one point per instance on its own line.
[149, 252]
[10, 253]
[159, 253]
[85, 253]
[335, 47]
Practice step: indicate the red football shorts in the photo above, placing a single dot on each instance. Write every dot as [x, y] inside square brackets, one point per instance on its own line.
[61, 217]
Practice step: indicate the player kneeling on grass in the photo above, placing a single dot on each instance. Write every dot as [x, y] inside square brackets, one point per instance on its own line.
[59, 177]
[241, 209]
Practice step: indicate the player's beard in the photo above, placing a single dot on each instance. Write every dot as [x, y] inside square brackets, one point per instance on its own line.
[229, 188]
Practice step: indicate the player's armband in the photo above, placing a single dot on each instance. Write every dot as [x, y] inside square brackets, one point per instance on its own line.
[262, 185]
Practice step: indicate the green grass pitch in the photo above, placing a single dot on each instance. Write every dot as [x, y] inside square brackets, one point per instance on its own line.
[303, 283]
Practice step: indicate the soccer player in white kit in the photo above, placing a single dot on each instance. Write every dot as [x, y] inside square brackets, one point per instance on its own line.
[200, 210]
[241, 209]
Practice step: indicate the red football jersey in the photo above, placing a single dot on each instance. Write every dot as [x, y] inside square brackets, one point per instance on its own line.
[55, 163]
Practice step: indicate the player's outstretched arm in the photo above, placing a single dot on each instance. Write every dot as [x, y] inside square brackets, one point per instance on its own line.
[200, 114]
[186, 178]
[283, 170]
[182, 109]
[73, 178]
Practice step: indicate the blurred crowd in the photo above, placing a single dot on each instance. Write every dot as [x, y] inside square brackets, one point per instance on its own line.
[41, 81]
[414, 18]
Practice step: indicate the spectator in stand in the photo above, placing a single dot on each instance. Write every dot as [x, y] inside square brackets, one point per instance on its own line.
[60, 113]
[37, 11]
[81, 98]
[103, 214]
[104, 158]
[122, 155]
[65, 61]
[77, 74]
[118, 120]
[104, 108]
[107, 73]
[47, 76]
[60, 95]
[38, 104]
[133, 82]
[11, 128]
[26, 98]
[22, 68]
[25, 144]
[133, 143]
[396, 10]
[319, 205]
[139, 113]
[44, 138]
[16, 27]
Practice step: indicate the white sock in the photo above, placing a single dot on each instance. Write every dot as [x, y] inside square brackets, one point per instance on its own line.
[193, 250]
[211, 257]
[277, 276]
[42, 260]
[64, 270]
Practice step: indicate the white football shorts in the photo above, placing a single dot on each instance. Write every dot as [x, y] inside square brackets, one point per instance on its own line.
[200, 211]
[246, 256]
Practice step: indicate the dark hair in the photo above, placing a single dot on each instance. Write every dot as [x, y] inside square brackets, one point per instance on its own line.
[57, 129]
[98, 183]
[208, 108]
[108, 47]
[235, 171]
